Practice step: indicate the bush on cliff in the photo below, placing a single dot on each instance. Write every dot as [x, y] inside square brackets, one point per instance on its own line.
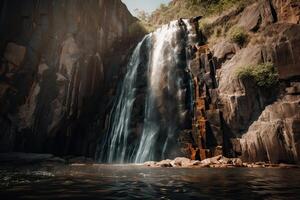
[238, 35]
[264, 75]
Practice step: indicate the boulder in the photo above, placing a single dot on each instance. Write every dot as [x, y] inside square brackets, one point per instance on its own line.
[250, 18]
[184, 162]
[213, 160]
[256, 16]
[224, 50]
[164, 163]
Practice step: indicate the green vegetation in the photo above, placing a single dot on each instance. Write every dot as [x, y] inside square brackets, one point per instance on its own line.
[238, 35]
[264, 75]
[186, 9]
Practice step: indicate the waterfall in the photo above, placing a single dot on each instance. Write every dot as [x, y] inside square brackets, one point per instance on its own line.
[157, 83]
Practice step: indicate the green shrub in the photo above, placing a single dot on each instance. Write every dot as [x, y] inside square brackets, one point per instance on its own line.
[238, 35]
[264, 75]
[189, 8]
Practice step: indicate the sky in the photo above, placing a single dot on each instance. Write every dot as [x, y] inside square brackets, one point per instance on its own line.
[146, 5]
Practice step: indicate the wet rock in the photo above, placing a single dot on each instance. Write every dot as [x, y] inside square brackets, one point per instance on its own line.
[184, 162]
[164, 163]
[215, 162]
[237, 162]
[222, 162]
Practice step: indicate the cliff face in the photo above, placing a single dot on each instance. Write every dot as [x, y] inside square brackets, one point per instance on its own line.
[61, 61]
[264, 119]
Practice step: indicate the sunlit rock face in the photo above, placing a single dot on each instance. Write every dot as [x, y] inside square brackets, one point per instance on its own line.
[60, 63]
[154, 102]
[274, 136]
[265, 120]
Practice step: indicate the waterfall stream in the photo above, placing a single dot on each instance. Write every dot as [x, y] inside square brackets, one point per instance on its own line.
[154, 102]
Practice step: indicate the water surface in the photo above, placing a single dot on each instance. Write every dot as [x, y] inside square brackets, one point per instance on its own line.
[138, 182]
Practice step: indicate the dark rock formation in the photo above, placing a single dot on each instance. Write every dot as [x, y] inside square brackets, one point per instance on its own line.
[61, 61]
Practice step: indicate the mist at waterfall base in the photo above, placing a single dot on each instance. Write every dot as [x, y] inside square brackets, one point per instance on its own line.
[154, 100]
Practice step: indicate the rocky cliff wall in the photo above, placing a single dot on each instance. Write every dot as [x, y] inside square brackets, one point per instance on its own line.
[264, 120]
[61, 61]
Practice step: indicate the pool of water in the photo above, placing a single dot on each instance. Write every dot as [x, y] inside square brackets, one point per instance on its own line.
[139, 182]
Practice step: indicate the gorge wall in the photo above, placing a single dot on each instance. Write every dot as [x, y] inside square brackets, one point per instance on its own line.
[265, 120]
[67, 85]
[61, 61]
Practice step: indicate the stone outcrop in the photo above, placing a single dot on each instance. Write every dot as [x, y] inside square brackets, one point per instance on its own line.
[242, 101]
[257, 15]
[272, 37]
[274, 137]
[226, 106]
[214, 162]
[61, 61]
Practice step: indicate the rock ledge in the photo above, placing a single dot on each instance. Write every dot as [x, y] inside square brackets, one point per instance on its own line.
[214, 162]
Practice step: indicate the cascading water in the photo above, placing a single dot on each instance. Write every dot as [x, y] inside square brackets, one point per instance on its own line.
[157, 83]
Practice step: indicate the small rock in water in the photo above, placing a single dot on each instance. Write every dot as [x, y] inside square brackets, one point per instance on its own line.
[214, 162]
[237, 162]
[164, 163]
[182, 162]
